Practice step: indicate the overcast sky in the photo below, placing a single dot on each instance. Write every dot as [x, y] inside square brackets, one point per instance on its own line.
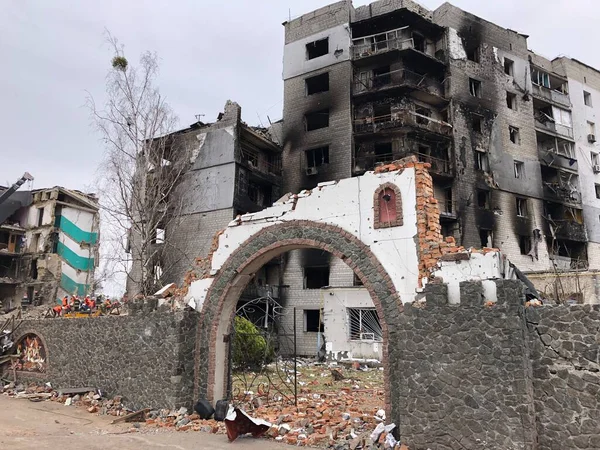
[52, 52]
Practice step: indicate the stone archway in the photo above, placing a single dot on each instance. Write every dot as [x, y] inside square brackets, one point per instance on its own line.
[235, 273]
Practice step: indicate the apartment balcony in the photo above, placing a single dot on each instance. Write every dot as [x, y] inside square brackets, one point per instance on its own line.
[439, 166]
[567, 263]
[399, 120]
[554, 128]
[260, 163]
[568, 229]
[551, 95]
[448, 210]
[399, 39]
[396, 79]
[561, 193]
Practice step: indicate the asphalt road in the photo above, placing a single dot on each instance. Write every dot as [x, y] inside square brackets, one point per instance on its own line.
[49, 425]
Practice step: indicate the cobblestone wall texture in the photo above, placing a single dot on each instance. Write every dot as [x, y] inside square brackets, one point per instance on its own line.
[146, 357]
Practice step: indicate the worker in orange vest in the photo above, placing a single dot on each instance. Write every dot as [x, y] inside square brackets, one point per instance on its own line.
[65, 303]
[56, 310]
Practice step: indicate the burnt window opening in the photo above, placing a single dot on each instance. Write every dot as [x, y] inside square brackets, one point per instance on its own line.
[381, 76]
[481, 161]
[317, 48]
[356, 281]
[383, 152]
[521, 204]
[514, 134]
[316, 277]
[483, 199]
[511, 101]
[422, 115]
[524, 244]
[486, 238]
[475, 87]
[476, 124]
[382, 113]
[317, 84]
[419, 42]
[316, 120]
[259, 194]
[587, 98]
[317, 157]
[473, 54]
[313, 322]
[519, 169]
[509, 67]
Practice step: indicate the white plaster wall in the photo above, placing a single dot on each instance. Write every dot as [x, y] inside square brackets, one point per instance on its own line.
[75, 275]
[455, 45]
[48, 217]
[335, 321]
[83, 219]
[295, 61]
[349, 205]
[84, 252]
[480, 267]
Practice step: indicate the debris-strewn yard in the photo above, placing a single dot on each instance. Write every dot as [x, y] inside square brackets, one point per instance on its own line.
[338, 406]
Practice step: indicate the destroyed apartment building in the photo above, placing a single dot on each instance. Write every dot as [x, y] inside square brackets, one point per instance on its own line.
[48, 244]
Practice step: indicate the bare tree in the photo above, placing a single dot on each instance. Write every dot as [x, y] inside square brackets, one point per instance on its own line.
[143, 164]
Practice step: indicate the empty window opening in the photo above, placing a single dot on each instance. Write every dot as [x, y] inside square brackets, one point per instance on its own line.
[313, 321]
[381, 76]
[419, 42]
[316, 277]
[383, 151]
[597, 186]
[483, 199]
[481, 161]
[475, 87]
[382, 112]
[486, 238]
[473, 54]
[317, 84]
[476, 124]
[422, 115]
[519, 169]
[317, 120]
[364, 325]
[317, 157]
[33, 270]
[40, 217]
[524, 244]
[521, 204]
[540, 78]
[594, 158]
[511, 100]
[587, 98]
[317, 48]
[515, 137]
[509, 66]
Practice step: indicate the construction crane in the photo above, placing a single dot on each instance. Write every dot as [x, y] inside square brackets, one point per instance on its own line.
[11, 190]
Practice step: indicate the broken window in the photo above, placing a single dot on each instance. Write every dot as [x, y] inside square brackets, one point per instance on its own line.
[476, 123]
[383, 152]
[382, 112]
[313, 322]
[483, 198]
[486, 238]
[475, 87]
[597, 186]
[419, 42]
[509, 66]
[521, 204]
[364, 325]
[317, 120]
[381, 76]
[473, 54]
[481, 161]
[422, 115]
[317, 157]
[40, 217]
[316, 277]
[519, 169]
[515, 137]
[524, 244]
[587, 98]
[317, 84]
[511, 100]
[317, 48]
[540, 78]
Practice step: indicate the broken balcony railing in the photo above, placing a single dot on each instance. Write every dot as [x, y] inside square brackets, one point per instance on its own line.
[398, 39]
[554, 127]
[400, 77]
[401, 119]
[551, 94]
[261, 163]
[561, 192]
[438, 165]
[448, 208]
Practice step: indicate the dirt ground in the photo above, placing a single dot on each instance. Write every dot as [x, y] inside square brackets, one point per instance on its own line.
[50, 425]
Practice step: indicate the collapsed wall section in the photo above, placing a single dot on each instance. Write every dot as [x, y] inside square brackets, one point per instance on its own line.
[146, 357]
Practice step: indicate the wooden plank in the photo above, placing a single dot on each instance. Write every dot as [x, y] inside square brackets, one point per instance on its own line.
[138, 415]
[83, 390]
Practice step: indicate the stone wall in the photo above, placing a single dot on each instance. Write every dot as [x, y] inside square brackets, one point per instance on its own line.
[146, 357]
